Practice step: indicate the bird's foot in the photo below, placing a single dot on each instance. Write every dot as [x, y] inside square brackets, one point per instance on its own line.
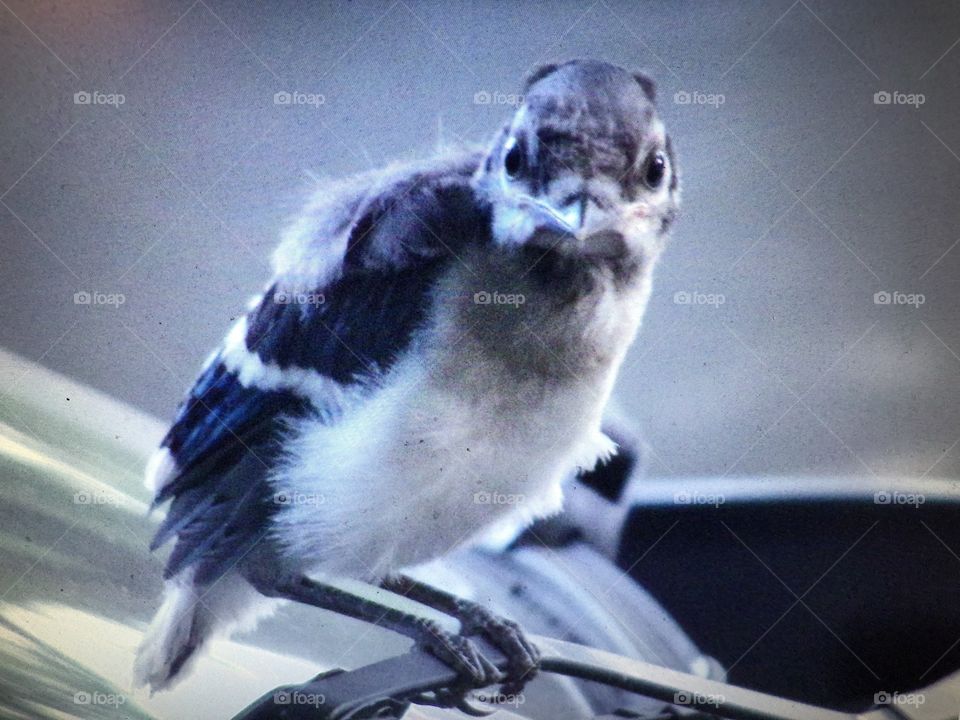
[523, 657]
[460, 653]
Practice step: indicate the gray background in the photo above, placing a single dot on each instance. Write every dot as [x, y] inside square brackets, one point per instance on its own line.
[802, 198]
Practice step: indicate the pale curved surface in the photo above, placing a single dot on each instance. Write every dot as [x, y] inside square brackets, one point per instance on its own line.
[77, 585]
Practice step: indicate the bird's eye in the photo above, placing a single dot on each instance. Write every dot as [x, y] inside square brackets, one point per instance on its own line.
[513, 162]
[656, 171]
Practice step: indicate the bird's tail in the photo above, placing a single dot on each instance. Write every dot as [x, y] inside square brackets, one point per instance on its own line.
[188, 618]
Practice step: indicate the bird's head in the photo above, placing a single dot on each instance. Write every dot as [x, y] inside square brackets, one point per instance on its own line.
[584, 167]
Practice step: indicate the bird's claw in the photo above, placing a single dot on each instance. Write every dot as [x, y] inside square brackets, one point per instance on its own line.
[523, 657]
[461, 654]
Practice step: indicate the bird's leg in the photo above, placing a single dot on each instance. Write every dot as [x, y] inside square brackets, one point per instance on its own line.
[522, 655]
[457, 651]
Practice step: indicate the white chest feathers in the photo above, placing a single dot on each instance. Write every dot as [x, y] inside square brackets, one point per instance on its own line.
[415, 469]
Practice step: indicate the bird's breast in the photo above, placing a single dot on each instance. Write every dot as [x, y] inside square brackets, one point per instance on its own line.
[497, 401]
[425, 465]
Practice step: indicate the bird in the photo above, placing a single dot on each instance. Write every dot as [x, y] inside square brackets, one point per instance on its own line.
[429, 360]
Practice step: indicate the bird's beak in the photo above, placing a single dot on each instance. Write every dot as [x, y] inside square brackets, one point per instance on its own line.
[575, 212]
[572, 216]
[547, 215]
[560, 220]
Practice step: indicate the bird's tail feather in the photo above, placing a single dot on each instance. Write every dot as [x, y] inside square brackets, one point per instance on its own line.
[188, 618]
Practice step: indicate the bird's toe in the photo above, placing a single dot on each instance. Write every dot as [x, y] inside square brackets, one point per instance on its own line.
[460, 653]
[523, 657]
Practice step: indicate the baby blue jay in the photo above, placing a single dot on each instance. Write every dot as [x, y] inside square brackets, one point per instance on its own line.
[429, 361]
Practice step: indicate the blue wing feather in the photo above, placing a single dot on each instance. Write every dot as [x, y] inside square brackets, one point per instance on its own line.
[219, 420]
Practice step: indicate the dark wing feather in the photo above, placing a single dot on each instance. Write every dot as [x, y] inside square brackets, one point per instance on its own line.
[228, 432]
[399, 244]
[218, 422]
[365, 320]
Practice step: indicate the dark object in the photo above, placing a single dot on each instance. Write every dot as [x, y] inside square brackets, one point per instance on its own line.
[384, 689]
[885, 547]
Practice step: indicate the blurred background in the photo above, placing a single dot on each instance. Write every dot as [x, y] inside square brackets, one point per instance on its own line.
[166, 180]
[804, 319]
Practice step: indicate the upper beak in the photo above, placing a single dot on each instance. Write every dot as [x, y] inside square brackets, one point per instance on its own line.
[570, 217]
[575, 211]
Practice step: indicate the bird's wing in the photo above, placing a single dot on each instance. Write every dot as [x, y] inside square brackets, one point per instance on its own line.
[351, 286]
